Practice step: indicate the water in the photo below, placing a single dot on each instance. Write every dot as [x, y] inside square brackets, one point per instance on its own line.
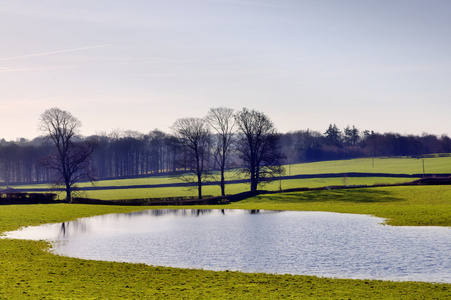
[306, 243]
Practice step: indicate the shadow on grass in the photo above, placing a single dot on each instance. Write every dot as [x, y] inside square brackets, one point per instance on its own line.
[350, 195]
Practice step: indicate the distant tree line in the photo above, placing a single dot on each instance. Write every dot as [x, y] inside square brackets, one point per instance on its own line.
[335, 144]
[230, 139]
[195, 150]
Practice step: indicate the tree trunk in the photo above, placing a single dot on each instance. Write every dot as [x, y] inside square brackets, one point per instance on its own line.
[199, 187]
[253, 185]
[222, 182]
[68, 194]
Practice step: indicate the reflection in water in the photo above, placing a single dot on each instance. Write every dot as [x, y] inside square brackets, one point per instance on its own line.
[310, 243]
[165, 212]
[63, 229]
[72, 228]
[180, 212]
[199, 212]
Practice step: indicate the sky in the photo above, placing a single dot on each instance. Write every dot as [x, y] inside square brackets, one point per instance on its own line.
[382, 65]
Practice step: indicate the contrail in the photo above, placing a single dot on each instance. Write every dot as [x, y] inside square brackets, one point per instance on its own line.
[53, 52]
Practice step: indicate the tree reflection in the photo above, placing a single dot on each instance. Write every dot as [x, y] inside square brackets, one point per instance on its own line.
[72, 228]
[175, 212]
[184, 212]
[63, 229]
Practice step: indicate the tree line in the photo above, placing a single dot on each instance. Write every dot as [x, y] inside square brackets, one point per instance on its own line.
[245, 140]
[335, 144]
[195, 148]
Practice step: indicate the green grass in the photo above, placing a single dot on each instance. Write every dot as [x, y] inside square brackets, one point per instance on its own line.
[365, 165]
[236, 188]
[30, 272]
[434, 165]
[404, 205]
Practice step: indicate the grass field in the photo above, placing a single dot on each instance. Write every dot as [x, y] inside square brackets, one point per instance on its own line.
[28, 271]
[237, 188]
[436, 165]
[401, 206]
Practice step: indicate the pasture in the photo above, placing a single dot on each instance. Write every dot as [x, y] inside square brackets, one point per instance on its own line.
[377, 166]
[29, 270]
[400, 165]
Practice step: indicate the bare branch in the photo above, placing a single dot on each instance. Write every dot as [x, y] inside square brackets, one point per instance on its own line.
[194, 138]
[71, 160]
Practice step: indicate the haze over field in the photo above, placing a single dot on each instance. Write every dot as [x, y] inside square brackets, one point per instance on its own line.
[139, 65]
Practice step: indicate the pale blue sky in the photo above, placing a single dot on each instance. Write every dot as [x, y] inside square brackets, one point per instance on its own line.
[382, 65]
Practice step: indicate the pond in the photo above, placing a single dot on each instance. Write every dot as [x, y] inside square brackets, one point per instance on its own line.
[305, 243]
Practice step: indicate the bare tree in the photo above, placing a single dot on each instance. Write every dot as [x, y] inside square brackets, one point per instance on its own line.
[194, 137]
[71, 158]
[222, 121]
[259, 147]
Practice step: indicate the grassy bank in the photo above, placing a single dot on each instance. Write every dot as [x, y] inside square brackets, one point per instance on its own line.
[403, 205]
[28, 271]
[436, 165]
[214, 190]
[401, 165]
